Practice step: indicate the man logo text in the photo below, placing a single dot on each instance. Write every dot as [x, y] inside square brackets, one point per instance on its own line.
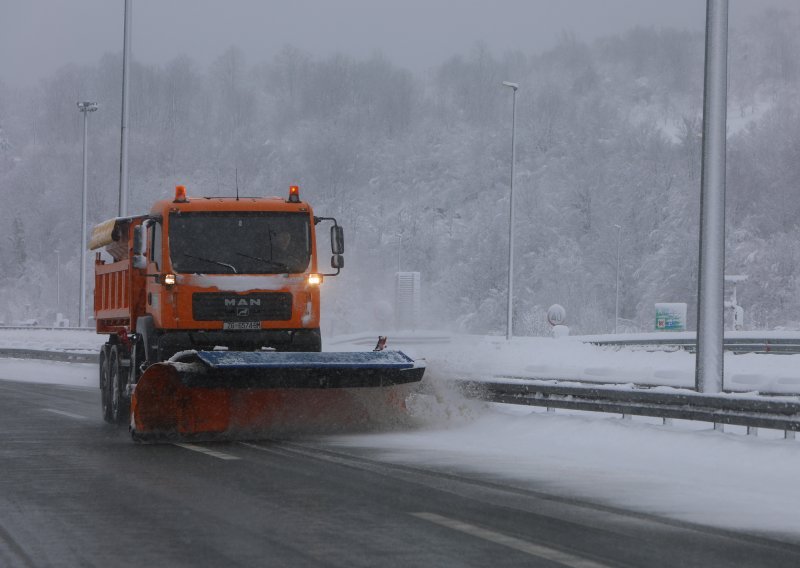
[233, 302]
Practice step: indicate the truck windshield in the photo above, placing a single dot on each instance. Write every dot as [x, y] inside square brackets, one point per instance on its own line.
[239, 242]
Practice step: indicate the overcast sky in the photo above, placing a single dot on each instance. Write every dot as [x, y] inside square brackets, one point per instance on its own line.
[39, 36]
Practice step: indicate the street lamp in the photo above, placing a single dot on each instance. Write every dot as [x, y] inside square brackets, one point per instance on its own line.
[85, 108]
[58, 280]
[123, 144]
[399, 248]
[509, 320]
[709, 361]
[616, 310]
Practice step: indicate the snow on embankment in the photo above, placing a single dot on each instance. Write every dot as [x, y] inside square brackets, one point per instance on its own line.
[451, 356]
[75, 340]
[569, 358]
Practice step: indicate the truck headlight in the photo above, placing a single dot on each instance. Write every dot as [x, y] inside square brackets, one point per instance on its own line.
[314, 279]
[169, 279]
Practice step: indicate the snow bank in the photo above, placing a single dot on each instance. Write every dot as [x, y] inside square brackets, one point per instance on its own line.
[475, 357]
[50, 372]
[52, 340]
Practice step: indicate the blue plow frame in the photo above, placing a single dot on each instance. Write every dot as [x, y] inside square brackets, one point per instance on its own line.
[277, 369]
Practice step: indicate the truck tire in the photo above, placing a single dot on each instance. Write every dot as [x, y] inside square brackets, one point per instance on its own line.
[120, 404]
[105, 385]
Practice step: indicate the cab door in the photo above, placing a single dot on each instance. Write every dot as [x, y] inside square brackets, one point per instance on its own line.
[155, 288]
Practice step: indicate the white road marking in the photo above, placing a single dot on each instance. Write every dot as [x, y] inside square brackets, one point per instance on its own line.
[550, 554]
[62, 413]
[208, 452]
[255, 446]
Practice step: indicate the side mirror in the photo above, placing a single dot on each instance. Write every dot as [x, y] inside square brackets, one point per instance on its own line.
[337, 239]
[140, 246]
[337, 261]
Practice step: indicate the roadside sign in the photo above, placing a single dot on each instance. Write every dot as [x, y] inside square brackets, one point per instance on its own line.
[670, 317]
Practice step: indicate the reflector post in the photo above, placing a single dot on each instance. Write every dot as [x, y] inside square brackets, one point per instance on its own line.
[294, 194]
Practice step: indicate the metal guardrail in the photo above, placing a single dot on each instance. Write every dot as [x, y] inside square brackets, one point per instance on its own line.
[64, 356]
[789, 346]
[780, 413]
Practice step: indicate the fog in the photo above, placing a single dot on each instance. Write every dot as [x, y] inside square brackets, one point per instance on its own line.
[43, 35]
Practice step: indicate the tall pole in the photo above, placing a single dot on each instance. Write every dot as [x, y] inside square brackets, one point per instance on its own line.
[123, 150]
[85, 108]
[509, 317]
[58, 280]
[399, 248]
[616, 310]
[711, 283]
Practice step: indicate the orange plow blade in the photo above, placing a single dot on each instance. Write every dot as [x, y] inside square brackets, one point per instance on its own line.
[264, 393]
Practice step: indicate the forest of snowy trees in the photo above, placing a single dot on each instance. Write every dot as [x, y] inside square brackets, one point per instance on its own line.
[416, 166]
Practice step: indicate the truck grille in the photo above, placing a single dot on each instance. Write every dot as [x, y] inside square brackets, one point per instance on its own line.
[220, 306]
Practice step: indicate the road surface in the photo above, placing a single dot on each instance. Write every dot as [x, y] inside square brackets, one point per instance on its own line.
[75, 491]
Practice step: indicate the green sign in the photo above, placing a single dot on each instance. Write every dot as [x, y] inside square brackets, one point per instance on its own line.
[670, 317]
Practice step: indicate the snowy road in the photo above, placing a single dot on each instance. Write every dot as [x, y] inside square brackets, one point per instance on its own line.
[76, 491]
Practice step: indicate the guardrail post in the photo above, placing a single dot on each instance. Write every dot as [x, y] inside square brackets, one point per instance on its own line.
[752, 431]
[667, 421]
[789, 434]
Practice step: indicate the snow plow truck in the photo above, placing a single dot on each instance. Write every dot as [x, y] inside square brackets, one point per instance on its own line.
[212, 310]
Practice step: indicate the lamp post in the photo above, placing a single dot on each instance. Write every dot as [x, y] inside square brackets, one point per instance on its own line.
[616, 309]
[85, 107]
[509, 320]
[123, 144]
[58, 280]
[709, 365]
[399, 248]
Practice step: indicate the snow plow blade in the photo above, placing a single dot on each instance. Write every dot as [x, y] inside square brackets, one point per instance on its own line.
[220, 393]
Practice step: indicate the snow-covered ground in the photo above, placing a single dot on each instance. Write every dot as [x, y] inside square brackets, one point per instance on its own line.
[686, 471]
[51, 339]
[471, 356]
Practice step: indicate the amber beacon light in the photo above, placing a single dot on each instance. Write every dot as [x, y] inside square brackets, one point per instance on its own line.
[294, 194]
[180, 194]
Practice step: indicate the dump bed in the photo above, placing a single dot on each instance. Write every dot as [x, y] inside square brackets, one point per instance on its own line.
[118, 290]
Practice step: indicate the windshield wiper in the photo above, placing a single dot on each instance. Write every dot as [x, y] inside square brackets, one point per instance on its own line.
[275, 263]
[225, 264]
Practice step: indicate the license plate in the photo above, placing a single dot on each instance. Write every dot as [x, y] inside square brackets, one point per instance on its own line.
[241, 325]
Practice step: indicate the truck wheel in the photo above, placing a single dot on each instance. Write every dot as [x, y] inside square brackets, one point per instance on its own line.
[105, 390]
[120, 405]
